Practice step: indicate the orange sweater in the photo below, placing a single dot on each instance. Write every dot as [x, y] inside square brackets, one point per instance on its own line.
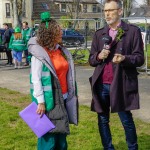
[61, 66]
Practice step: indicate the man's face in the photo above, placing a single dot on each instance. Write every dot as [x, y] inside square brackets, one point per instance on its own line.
[5, 27]
[24, 26]
[112, 13]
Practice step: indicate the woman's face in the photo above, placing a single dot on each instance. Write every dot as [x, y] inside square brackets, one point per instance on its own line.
[59, 36]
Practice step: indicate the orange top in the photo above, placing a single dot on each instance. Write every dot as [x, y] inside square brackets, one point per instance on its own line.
[61, 66]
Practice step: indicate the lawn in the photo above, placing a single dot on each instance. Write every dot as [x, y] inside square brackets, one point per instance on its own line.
[16, 135]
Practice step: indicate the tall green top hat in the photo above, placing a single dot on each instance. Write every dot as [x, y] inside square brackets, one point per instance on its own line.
[45, 17]
[17, 30]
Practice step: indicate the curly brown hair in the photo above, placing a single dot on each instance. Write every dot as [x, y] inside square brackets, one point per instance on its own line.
[46, 37]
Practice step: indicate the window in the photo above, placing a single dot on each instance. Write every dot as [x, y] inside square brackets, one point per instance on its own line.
[94, 8]
[7, 5]
[85, 8]
[63, 7]
[99, 9]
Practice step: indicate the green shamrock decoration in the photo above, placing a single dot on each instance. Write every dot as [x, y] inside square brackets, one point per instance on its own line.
[119, 34]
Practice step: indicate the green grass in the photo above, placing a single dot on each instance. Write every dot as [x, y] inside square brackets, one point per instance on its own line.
[16, 135]
[82, 61]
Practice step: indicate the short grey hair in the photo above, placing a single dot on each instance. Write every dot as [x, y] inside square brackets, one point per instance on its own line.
[119, 2]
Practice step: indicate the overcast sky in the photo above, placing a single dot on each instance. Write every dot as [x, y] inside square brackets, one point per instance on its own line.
[137, 2]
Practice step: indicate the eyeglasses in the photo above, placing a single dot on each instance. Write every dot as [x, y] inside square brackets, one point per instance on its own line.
[110, 10]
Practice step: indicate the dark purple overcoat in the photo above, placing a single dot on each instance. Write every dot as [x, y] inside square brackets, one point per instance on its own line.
[124, 94]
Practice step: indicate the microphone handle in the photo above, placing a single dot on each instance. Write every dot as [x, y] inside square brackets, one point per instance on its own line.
[107, 47]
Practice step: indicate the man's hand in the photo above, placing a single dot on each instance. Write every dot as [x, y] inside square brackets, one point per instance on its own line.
[40, 109]
[118, 58]
[103, 54]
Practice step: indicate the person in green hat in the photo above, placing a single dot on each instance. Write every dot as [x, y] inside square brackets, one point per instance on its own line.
[27, 34]
[17, 44]
[52, 81]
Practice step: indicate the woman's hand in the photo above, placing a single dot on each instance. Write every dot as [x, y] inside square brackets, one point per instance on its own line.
[40, 109]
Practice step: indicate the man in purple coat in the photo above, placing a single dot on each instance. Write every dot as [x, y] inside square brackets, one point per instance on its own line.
[114, 82]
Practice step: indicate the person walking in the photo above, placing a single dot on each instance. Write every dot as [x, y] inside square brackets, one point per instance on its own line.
[52, 81]
[17, 44]
[27, 34]
[114, 82]
[6, 39]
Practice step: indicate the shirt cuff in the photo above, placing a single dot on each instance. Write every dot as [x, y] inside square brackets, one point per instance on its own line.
[40, 99]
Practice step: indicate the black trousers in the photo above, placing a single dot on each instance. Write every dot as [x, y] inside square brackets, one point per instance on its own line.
[8, 53]
[9, 56]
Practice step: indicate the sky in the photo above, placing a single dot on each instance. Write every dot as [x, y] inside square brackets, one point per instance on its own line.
[137, 2]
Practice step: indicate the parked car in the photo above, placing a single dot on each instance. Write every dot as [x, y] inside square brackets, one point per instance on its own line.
[71, 37]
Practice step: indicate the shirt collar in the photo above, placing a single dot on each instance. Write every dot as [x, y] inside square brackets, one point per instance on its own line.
[119, 24]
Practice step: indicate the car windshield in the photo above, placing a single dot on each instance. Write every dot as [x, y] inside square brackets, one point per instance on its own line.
[71, 33]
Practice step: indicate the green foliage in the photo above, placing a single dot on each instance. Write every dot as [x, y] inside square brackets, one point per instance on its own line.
[16, 135]
[65, 23]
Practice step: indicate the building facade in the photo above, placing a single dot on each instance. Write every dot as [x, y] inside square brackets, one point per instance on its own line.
[6, 12]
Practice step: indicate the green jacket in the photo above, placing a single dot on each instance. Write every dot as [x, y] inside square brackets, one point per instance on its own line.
[47, 86]
[27, 34]
[17, 44]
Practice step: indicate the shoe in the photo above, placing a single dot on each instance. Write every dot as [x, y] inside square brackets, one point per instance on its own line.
[26, 64]
[9, 64]
[19, 67]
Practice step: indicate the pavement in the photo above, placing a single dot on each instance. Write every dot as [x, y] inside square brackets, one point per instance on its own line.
[18, 80]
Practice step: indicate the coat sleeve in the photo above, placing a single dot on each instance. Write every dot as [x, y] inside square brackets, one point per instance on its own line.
[136, 58]
[94, 53]
[36, 70]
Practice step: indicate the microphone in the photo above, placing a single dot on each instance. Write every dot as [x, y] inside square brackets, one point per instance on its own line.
[107, 40]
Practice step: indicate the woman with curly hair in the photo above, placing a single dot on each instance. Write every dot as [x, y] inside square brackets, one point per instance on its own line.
[52, 82]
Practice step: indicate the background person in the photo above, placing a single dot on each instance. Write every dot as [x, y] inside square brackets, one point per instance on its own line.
[17, 44]
[27, 34]
[114, 81]
[6, 39]
[52, 78]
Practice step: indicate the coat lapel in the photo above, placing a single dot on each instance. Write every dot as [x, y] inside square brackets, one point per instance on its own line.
[115, 41]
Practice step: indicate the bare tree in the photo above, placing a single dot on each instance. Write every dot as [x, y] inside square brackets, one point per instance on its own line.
[73, 11]
[148, 2]
[127, 5]
[18, 7]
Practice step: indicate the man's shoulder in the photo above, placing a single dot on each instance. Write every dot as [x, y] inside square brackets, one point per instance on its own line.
[133, 26]
[100, 29]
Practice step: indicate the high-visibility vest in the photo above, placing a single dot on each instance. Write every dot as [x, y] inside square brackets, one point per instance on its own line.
[47, 88]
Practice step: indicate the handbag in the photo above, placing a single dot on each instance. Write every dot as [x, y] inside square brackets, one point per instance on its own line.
[72, 107]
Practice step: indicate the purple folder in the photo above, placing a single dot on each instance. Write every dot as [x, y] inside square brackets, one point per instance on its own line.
[39, 126]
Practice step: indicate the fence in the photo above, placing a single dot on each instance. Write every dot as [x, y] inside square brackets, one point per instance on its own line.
[87, 28]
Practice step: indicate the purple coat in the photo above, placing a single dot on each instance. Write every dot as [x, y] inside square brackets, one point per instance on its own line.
[124, 94]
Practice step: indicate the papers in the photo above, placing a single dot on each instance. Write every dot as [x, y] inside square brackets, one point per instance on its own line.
[39, 126]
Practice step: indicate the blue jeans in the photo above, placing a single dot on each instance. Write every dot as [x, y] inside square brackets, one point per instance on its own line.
[103, 122]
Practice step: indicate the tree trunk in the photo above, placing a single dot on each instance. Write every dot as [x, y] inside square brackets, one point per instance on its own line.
[127, 7]
[16, 20]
